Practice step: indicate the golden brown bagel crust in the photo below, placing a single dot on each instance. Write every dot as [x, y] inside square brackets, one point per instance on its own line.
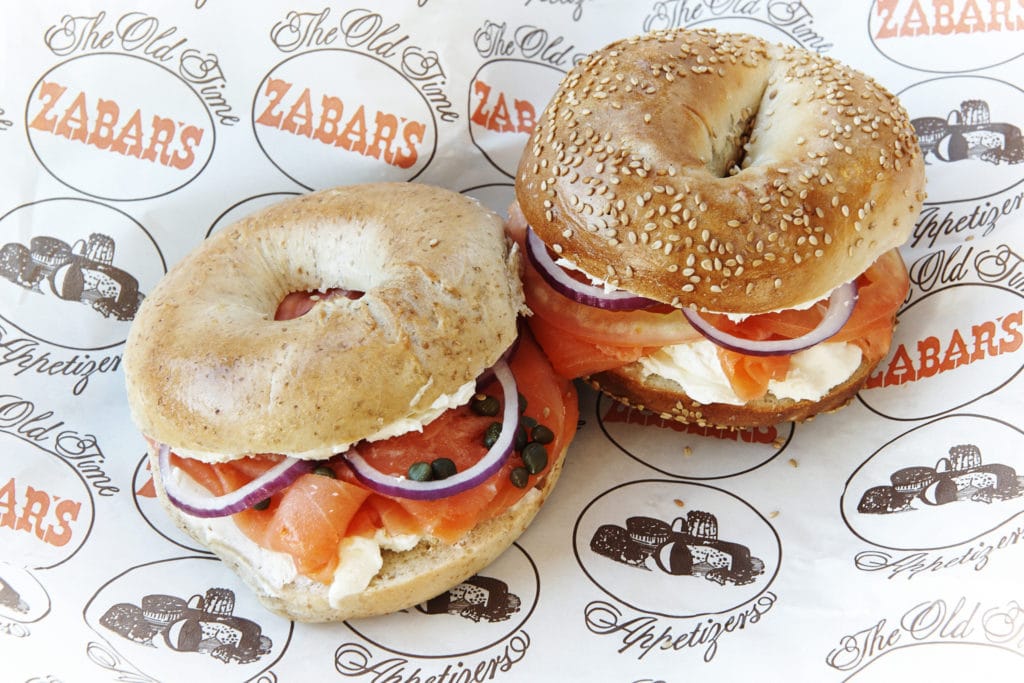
[405, 579]
[667, 399]
[211, 373]
[720, 171]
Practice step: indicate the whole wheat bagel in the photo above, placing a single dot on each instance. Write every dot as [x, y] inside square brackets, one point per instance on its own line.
[719, 171]
[209, 371]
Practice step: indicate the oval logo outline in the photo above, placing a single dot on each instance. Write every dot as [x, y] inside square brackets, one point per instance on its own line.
[202, 106]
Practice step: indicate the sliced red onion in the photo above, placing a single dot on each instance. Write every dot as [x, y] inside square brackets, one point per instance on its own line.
[840, 308]
[264, 486]
[580, 292]
[486, 467]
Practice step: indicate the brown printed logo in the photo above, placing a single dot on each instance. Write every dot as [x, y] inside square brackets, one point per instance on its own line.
[969, 129]
[939, 363]
[793, 21]
[23, 601]
[73, 273]
[476, 626]
[939, 507]
[948, 640]
[183, 615]
[686, 450]
[947, 36]
[709, 561]
[46, 508]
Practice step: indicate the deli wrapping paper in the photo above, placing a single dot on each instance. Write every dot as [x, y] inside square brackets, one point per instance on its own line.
[877, 544]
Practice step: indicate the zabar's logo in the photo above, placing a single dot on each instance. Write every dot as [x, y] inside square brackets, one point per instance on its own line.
[492, 111]
[908, 18]
[921, 34]
[377, 134]
[936, 365]
[156, 139]
[25, 508]
[331, 116]
[46, 509]
[502, 109]
[136, 132]
[932, 355]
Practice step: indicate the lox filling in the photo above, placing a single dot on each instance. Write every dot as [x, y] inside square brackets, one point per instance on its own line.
[582, 340]
[311, 519]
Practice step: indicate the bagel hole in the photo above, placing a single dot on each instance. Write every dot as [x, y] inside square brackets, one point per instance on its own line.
[297, 304]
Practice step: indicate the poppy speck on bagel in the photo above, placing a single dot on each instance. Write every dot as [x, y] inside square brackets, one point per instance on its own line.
[742, 182]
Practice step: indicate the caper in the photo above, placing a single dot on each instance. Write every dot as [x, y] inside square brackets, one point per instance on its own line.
[491, 434]
[420, 471]
[442, 468]
[521, 438]
[528, 421]
[522, 404]
[485, 405]
[542, 434]
[262, 505]
[519, 477]
[325, 471]
[535, 457]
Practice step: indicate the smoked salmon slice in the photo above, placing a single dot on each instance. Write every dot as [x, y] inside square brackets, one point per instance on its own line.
[308, 519]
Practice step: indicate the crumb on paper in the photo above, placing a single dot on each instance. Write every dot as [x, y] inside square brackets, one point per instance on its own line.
[793, 462]
[773, 514]
[687, 451]
[679, 503]
[778, 442]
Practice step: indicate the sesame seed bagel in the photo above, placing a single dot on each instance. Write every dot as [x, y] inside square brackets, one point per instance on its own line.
[719, 171]
[210, 372]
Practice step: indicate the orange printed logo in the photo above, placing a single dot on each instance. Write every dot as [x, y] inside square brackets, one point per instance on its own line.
[380, 135]
[932, 356]
[154, 138]
[492, 111]
[909, 18]
[27, 509]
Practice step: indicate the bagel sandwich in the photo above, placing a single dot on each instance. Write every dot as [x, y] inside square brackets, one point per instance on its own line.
[338, 403]
[712, 224]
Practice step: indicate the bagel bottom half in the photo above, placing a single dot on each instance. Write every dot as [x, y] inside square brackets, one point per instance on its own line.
[405, 579]
[668, 400]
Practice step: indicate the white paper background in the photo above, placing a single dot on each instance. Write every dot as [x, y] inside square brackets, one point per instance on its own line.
[932, 592]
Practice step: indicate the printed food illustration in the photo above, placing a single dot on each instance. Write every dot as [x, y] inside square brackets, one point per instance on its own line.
[11, 599]
[83, 272]
[969, 133]
[687, 547]
[204, 624]
[960, 476]
[476, 598]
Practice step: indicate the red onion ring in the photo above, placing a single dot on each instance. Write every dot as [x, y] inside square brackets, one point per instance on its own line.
[563, 283]
[270, 482]
[840, 307]
[486, 467]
